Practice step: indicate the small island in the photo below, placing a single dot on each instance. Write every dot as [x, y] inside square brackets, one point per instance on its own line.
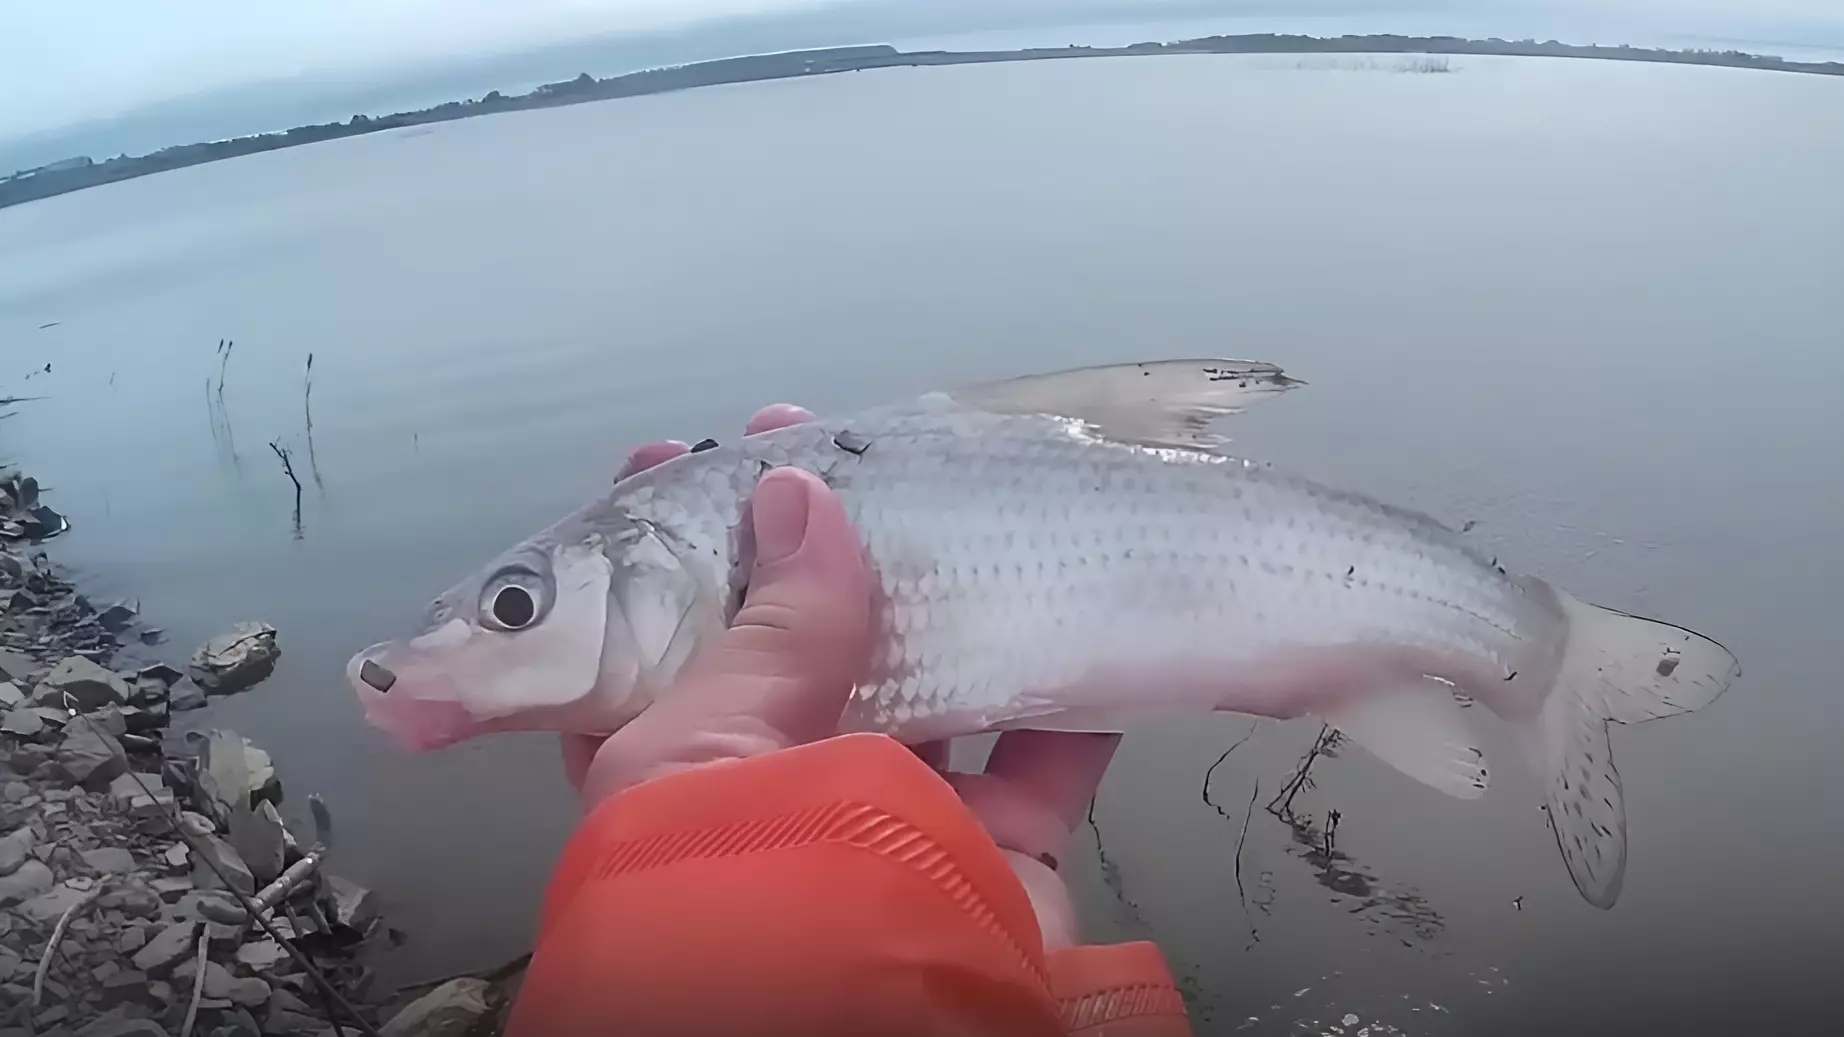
[76, 173]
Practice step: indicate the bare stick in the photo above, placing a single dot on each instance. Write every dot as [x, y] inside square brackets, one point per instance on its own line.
[294, 878]
[1240, 840]
[57, 937]
[198, 982]
[288, 469]
[307, 412]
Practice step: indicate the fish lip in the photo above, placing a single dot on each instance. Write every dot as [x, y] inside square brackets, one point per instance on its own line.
[417, 722]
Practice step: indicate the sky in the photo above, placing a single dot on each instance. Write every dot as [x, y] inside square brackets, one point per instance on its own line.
[83, 60]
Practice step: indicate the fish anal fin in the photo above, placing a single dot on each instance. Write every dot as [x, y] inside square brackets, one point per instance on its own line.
[1160, 403]
[1419, 730]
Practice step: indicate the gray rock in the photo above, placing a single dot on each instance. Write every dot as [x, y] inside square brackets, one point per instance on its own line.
[167, 949]
[29, 880]
[354, 906]
[110, 719]
[147, 690]
[25, 723]
[185, 694]
[176, 857]
[449, 1010]
[219, 852]
[212, 905]
[27, 759]
[15, 848]
[123, 1027]
[127, 979]
[110, 860]
[133, 901]
[131, 940]
[10, 695]
[143, 719]
[88, 685]
[238, 1024]
[88, 756]
[16, 667]
[232, 662]
[130, 796]
[170, 890]
[196, 824]
[11, 963]
[245, 992]
[49, 907]
[261, 955]
[14, 791]
[284, 1023]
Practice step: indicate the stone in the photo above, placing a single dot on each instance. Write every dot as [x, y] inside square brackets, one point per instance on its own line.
[132, 901]
[127, 979]
[216, 851]
[86, 683]
[146, 691]
[131, 940]
[143, 719]
[354, 906]
[88, 756]
[11, 963]
[16, 668]
[23, 723]
[449, 1010]
[176, 857]
[196, 824]
[110, 860]
[170, 890]
[27, 759]
[211, 905]
[52, 1016]
[15, 848]
[30, 879]
[285, 1023]
[238, 1023]
[124, 1028]
[49, 907]
[14, 791]
[232, 662]
[110, 719]
[167, 949]
[130, 796]
[10, 696]
[116, 618]
[244, 991]
[185, 694]
[261, 955]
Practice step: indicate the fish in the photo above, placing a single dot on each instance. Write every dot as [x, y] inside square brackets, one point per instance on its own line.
[1077, 550]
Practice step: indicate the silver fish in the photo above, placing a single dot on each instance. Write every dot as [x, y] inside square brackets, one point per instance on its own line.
[1072, 551]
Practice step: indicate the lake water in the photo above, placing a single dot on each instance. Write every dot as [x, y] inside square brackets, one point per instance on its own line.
[1592, 306]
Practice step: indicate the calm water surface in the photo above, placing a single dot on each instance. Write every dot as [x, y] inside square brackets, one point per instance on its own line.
[1592, 306]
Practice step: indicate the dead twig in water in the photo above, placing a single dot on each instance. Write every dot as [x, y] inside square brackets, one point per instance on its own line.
[1241, 895]
[288, 469]
[307, 413]
[224, 351]
[57, 937]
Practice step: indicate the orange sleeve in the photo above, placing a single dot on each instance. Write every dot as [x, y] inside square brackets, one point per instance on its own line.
[836, 888]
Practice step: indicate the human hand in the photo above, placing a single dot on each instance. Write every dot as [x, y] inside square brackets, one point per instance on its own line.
[783, 673]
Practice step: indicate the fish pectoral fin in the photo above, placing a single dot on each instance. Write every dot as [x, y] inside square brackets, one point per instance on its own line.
[1161, 403]
[1419, 730]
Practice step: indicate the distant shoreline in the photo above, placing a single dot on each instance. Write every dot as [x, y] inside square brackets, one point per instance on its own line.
[77, 173]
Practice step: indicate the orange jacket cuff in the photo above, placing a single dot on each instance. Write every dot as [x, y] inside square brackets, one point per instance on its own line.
[834, 888]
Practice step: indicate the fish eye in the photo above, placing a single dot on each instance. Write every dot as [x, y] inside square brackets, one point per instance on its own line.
[513, 600]
[513, 607]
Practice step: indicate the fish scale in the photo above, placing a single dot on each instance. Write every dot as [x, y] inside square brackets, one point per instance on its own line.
[1072, 551]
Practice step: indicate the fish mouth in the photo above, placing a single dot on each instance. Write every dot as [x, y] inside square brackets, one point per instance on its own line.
[418, 709]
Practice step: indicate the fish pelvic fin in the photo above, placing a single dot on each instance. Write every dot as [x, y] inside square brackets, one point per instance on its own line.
[1419, 730]
[1614, 668]
[1157, 403]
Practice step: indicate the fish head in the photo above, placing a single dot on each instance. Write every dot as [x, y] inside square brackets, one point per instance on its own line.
[517, 646]
[572, 630]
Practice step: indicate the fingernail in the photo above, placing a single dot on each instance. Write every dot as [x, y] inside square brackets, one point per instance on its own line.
[780, 513]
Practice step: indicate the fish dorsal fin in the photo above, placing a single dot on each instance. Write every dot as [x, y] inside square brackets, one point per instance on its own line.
[1161, 403]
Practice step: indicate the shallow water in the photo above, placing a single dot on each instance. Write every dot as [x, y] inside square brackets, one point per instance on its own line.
[1592, 306]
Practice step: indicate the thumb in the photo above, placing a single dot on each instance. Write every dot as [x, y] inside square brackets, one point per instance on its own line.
[784, 671]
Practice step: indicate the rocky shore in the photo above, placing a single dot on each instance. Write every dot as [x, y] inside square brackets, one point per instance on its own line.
[149, 886]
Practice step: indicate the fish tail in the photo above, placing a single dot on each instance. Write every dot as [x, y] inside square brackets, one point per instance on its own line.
[1620, 668]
